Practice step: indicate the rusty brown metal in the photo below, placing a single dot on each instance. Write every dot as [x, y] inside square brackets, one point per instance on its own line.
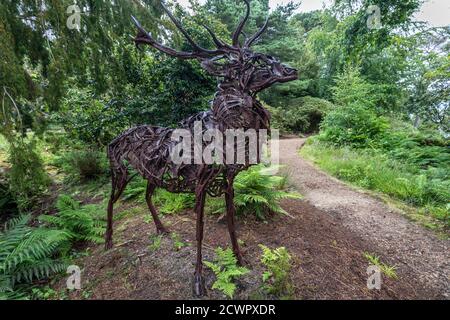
[147, 149]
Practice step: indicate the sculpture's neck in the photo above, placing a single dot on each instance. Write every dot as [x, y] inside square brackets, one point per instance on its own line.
[234, 108]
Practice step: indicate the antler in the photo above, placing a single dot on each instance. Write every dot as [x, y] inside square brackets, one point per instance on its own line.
[241, 25]
[143, 37]
[248, 42]
[198, 52]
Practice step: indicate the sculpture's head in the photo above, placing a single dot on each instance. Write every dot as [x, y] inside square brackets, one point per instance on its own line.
[236, 63]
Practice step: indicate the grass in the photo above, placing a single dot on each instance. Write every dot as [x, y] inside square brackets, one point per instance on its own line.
[375, 171]
[389, 271]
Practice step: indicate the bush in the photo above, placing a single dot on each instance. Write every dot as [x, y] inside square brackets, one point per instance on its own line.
[83, 165]
[300, 115]
[226, 270]
[353, 125]
[276, 277]
[80, 223]
[27, 254]
[8, 206]
[87, 118]
[423, 149]
[27, 177]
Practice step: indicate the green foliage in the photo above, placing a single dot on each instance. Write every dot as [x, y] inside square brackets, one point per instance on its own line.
[172, 203]
[389, 271]
[167, 202]
[80, 223]
[8, 206]
[156, 242]
[168, 91]
[27, 178]
[178, 244]
[257, 192]
[27, 254]
[81, 165]
[300, 115]
[276, 277]
[226, 270]
[351, 89]
[378, 171]
[424, 149]
[352, 125]
[89, 119]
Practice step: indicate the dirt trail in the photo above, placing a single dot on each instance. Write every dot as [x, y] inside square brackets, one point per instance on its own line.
[418, 253]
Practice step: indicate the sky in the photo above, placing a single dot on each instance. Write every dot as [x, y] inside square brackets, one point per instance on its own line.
[435, 12]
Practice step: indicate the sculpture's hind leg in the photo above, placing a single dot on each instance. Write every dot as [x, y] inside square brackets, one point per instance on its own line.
[119, 184]
[160, 229]
[199, 282]
[231, 211]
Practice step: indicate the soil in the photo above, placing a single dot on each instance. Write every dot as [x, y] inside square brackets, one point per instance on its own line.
[326, 233]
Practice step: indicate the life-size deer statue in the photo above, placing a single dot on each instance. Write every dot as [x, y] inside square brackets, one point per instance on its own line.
[147, 149]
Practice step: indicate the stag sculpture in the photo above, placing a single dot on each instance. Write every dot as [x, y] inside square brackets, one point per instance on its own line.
[147, 149]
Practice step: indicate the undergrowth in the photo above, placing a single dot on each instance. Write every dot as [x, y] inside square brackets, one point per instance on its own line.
[428, 189]
[226, 270]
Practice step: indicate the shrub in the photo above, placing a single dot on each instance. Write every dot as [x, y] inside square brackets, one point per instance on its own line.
[27, 177]
[276, 277]
[83, 165]
[27, 254]
[353, 125]
[353, 90]
[87, 118]
[81, 223]
[8, 206]
[300, 115]
[226, 270]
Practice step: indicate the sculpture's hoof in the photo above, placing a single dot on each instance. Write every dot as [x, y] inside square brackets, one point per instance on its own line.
[240, 260]
[199, 286]
[108, 241]
[108, 244]
[162, 231]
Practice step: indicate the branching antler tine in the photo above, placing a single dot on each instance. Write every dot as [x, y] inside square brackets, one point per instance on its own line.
[184, 32]
[219, 43]
[249, 42]
[145, 37]
[239, 28]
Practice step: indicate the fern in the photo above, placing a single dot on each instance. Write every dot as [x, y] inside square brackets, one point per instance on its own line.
[167, 202]
[226, 270]
[276, 277]
[81, 223]
[257, 192]
[27, 254]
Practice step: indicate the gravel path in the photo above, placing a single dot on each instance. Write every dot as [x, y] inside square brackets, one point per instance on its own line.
[415, 251]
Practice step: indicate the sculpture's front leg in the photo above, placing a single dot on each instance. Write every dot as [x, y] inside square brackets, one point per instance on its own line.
[199, 282]
[231, 212]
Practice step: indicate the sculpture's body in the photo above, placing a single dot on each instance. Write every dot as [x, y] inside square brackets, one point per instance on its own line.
[148, 149]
